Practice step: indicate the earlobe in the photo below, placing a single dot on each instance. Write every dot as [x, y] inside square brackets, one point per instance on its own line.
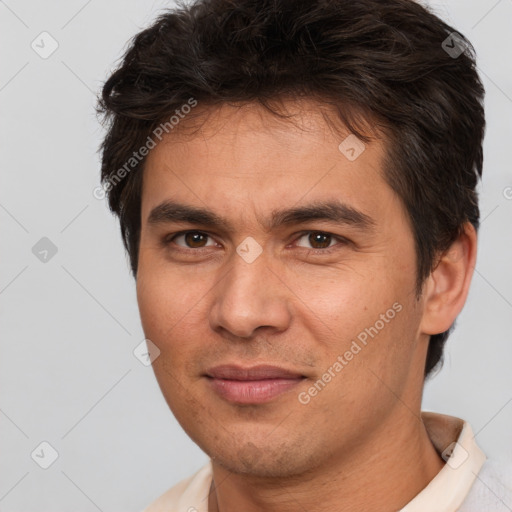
[447, 287]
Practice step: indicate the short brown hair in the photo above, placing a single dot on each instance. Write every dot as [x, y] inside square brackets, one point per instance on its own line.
[394, 62]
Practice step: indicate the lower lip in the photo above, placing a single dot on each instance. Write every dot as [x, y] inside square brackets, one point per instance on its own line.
[252, 391]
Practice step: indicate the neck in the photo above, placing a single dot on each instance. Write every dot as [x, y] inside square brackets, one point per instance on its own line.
[379, 476]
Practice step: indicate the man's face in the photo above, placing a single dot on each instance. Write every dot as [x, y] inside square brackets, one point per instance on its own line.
[321, 291]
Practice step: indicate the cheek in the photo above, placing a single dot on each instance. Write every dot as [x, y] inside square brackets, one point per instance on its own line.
[173, 310]
[342, 301]
[155, 303]
[169, 314]
[366, 317]
[164, 295]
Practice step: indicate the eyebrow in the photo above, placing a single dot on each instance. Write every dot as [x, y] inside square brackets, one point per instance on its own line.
[333, 211]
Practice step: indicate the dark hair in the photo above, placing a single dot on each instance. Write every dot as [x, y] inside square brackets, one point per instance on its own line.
[391, 64]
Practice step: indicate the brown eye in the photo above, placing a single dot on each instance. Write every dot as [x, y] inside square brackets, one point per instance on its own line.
[192, 239]
[195, 239]
[322, 239]
[317, 239]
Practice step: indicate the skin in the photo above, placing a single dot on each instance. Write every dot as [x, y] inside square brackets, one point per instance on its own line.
[360, 442]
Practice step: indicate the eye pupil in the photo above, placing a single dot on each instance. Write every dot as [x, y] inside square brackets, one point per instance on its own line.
[320, 238]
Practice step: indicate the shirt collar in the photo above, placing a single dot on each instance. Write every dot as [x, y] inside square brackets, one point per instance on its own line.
[454, 441]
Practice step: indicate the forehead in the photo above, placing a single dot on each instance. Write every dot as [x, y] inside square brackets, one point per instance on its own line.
[294, 125]
[239, 160]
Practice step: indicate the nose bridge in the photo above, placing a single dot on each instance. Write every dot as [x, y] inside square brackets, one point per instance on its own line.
[249, 296]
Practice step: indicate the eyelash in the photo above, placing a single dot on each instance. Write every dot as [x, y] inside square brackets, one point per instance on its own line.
[170, 238]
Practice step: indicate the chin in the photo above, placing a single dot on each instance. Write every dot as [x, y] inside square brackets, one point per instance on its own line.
[265, 462]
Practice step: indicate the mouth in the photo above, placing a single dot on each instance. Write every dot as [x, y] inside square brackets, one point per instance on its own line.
[254, 385]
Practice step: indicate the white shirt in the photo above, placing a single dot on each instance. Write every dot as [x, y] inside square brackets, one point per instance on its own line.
[466, 483]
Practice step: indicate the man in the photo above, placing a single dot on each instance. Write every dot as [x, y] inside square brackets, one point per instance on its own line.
[295, 183]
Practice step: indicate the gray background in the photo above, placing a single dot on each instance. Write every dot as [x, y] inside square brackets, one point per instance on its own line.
[68, 375]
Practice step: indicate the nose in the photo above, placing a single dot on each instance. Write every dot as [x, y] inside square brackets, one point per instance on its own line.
[249, 297]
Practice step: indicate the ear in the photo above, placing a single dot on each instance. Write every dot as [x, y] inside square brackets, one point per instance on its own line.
[446, 289]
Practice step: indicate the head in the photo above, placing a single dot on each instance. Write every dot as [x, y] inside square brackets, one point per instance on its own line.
[242, 119]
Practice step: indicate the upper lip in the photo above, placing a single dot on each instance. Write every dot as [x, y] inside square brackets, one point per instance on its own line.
[259, 372]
